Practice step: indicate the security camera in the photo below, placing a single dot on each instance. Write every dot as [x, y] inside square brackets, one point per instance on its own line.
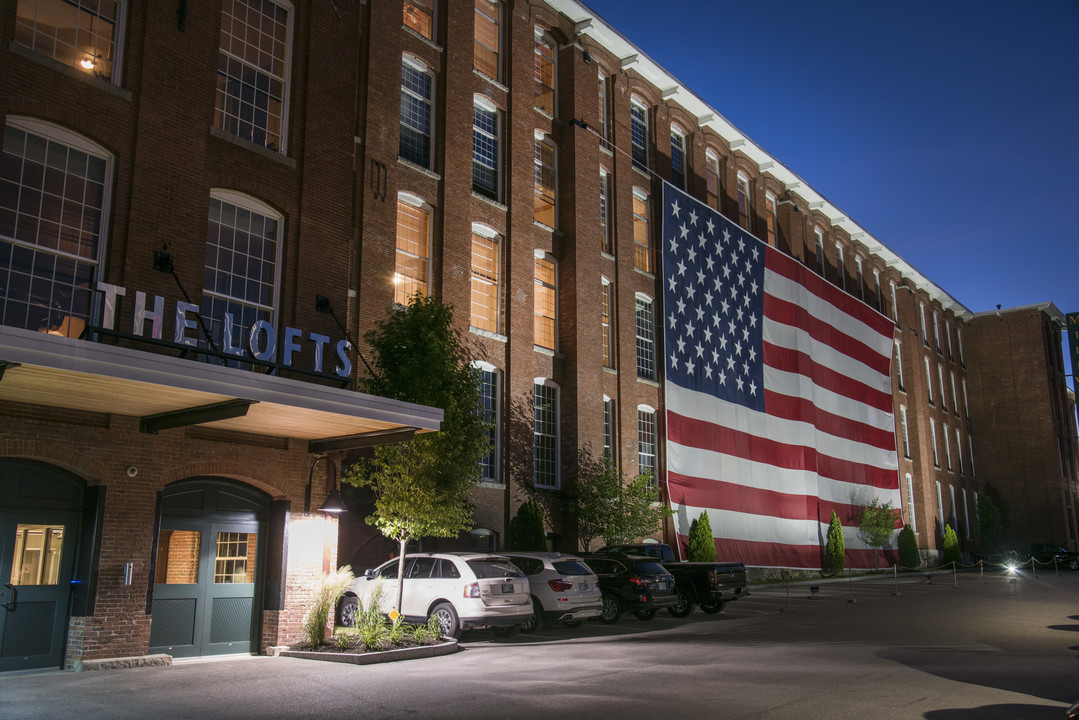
[132, 471]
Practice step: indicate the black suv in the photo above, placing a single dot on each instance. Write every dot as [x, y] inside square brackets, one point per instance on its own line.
[636, 583]
[1044, 553]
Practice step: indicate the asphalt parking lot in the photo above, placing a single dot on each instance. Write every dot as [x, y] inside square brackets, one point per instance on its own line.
[962, 647]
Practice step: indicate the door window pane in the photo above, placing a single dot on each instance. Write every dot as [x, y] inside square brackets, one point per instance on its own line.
[37, 554]
[178, 557]
[235, 562]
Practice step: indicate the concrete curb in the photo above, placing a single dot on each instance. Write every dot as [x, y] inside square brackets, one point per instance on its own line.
[124, 662]
[372, 658]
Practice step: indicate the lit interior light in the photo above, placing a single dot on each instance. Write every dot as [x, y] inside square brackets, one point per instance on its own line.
[87, 63]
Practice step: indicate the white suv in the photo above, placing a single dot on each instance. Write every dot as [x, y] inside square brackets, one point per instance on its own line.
[462, 590]
[563, 588]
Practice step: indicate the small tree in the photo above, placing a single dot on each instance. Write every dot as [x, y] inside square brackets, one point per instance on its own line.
[950, 546]
[702, 546]
[876, 525]
[835, 549]
[909, 557]
[525, 531]
[611, 507]
[422, 486]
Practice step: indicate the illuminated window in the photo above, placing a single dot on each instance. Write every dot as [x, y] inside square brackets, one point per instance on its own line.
[607, 324]
[416, 85]
[711, 178]
[544, 73]
[642, 235]
[242, 255]
[743, 201]
[177, 557]
[485, 279]
[546, 304]
[770, 221]
[487, 35]
[252, 92]
[678, 157]
[544, 166]
[646, 339]
[36, 560]
[53, 202]
[420, 16]
[605, 211]
[82, 34]
[235, 560]
[485, 160]
[545, 434]
[638, 133]
[413, 243]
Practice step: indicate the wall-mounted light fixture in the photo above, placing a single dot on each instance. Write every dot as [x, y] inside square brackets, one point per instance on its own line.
[333, 503]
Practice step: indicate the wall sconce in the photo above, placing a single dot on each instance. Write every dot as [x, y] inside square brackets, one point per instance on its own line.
[333, 503]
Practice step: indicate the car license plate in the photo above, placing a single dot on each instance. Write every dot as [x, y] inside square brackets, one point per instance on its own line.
[507, 587]
[661, 585]
[583, 587]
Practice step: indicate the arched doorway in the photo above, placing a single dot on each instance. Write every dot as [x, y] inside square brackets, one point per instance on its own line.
[209, 563]
[40, 509]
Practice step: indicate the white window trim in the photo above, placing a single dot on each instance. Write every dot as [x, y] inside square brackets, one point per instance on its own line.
[547, 382]
[417, 202]
[497, 449]
[910, 504]
[636, 100]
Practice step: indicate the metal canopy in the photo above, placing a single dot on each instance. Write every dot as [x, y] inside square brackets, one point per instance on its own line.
[168, 392]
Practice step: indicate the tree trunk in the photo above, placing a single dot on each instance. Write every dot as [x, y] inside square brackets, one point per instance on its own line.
[400, 573]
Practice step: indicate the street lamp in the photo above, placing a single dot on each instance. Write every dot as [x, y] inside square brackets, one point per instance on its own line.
[333, 504]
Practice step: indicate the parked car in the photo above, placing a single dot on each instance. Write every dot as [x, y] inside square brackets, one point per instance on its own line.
[631, 583]
[1046, 553]
[463, 590]
[564, 588]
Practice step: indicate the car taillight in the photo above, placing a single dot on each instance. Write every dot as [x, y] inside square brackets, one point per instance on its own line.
[472, 591]
[639, 582]
[560, 585]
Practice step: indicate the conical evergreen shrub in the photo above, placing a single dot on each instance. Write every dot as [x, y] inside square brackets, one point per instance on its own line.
[702, 546]
[525, 530]
[909, 557]
[833, 552]
[951, 546]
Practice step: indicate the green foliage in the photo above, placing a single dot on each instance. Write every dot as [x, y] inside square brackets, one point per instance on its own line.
[990, 522]
[877, 523]
[610, 507]
[422, 486]
[397, 630]
[909, 557]
[702, 546]
[950, 547]
[834, 560]
[329, 591]
[525, 531]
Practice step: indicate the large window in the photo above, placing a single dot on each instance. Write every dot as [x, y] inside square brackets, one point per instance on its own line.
[53, 199]
[242, 254]
[711, 178]
[544, 72]
[770, 222]
[485, 161]
[412, 264]
[420, 16]
[646, 444]
[544, 165]
[83, 34]
[678, 157]
[252, 71]
[912, 519]
[545, 434]
[904, 431]
[642, 232]
[606, 241]
[487, 35]
[604, 111]
[607, 324]
[638, 133]
[608, 428]
[490, 386]
[743, 201]
[818, 239]
[546, 303]
[646, 339]
[416, 87]
[485, 279]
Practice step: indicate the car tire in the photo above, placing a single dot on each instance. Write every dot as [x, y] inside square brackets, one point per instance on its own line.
[612, 610]
[535, 621]
[644, 614]
[347, 611]
[506, 631]
[571, 623]
[683, 608]
[447, 618]
[713, 606]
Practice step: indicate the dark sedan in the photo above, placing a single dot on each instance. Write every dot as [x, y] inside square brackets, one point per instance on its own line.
[631, 583]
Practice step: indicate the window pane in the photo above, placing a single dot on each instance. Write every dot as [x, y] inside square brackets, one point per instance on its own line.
[545, 307]
[546, 436]
[544, 76]
[410, 275]
[235, 559]
[485, 284]
[642, 236]
[486, 34]
[38, 549]
[178, 557]
[419, 16]
[79, 33]
[544, 184]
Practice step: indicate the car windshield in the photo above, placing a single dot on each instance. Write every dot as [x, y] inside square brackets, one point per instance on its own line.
[571, 567]
[494, 568]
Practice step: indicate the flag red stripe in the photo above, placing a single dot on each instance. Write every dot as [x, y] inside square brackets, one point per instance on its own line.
[797, 556]
[788, 313]
[793, 361]
[802, 410]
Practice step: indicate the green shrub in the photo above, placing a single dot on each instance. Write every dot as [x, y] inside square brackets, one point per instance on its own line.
[525, 531]
[834, 551]
[951, 546]
[702, 546]
[909, 557]
[396, 633]
[330, 590]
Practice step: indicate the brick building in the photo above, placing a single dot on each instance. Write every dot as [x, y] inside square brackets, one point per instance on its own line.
[177, 180]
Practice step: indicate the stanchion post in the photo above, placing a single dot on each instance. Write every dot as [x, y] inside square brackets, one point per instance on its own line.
[955, 574]
[850, 581]
[895, 576]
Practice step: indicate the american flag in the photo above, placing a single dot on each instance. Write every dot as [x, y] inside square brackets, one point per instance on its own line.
[778, 395]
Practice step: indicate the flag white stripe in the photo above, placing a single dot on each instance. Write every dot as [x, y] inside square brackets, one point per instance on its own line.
[794, 338]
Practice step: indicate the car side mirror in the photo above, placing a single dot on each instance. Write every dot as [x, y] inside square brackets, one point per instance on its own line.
[369, 573]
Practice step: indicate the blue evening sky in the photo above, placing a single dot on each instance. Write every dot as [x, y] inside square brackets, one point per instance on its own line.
[948, 129]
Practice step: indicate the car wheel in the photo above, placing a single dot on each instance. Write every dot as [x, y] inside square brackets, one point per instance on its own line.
[683, 608]
[534, 621]
[506, 631]
[612, 610]
[644, 614]
[712, 606]
[447, 619]
[571, 623]
[347, 612]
